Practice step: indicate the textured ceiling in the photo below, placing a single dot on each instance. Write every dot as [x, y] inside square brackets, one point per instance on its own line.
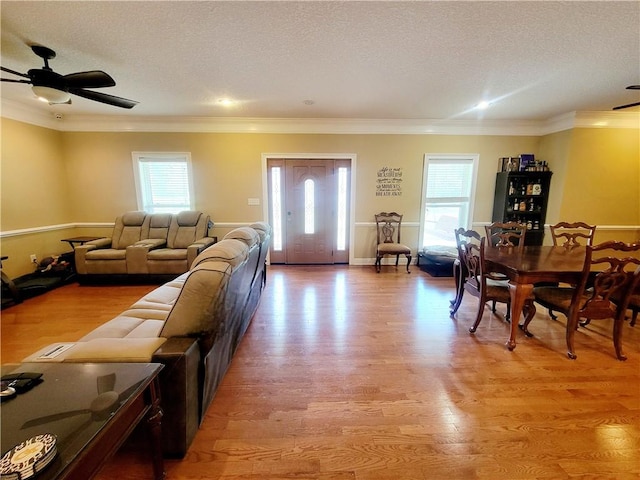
[363, 60]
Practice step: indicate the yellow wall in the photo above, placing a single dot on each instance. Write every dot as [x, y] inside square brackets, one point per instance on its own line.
[87, 178]
[605, 168]
[599, 183]
[556, 146]
[227, 168]
[34, 189]
[34, 177]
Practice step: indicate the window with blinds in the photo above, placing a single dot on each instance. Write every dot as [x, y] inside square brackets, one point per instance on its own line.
[448, 192]
[163, 182]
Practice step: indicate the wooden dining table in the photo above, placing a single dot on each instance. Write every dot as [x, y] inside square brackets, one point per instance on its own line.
[526, 267]
[533, 264]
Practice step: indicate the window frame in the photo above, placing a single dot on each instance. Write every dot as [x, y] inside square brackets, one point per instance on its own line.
[474, 159]
[179, 157]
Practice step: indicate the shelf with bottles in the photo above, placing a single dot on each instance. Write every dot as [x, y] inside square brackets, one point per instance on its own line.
[525, 162]
[523, 197]
[526, 204]
[525, 186]
[533, 224]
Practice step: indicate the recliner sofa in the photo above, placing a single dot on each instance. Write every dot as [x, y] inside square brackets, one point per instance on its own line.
[145, 244]
[192, 324]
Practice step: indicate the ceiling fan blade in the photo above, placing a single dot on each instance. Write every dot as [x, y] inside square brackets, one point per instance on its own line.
[633, 87]
[53, 418]
[628, 105]
[104, 98]
[91, 79]
[8, 70]
[14, 81]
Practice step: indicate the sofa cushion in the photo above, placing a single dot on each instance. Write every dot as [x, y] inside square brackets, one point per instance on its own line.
[244, 234]
[262, 228]
[130, 324]
[159, 224]
[128, 229]
[151, 313]
[106, 254]
[119, 327]
[156, 306]
[147, 329]
[186, 228]
[231, 251]
[202, 295]
[163, 296]
[167, 254]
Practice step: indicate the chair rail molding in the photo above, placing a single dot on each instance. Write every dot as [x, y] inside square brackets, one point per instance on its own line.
[65, 226]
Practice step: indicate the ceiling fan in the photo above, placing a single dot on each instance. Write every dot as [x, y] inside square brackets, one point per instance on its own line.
[55, 88]
[629, 105]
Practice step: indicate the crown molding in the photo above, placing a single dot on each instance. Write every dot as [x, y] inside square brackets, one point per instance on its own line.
[122, 123]
[607, 119]
[298, 126]
[23, 113]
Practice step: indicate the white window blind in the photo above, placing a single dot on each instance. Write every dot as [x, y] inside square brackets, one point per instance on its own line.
[163, 182]
[449, 179]
[449, 186]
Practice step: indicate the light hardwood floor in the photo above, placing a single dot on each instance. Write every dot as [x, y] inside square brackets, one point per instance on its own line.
[349, 374]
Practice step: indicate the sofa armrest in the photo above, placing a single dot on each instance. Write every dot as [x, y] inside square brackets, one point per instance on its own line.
[151, 243]
[80, 252]
[206, 241]
[104, 242]
[197, 247]
[136, 256]
[101, 350]
[179, 393]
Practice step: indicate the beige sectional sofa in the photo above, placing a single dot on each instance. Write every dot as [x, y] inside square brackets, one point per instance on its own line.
[143, 244]
[192, 324]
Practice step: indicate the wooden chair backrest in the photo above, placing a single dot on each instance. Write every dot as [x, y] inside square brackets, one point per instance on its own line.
[569, 234]
[611, 272]
[470, 245]
[506, 234]
[388, 227]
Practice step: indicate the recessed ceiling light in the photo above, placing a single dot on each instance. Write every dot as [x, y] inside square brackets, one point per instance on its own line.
[225, 102]
[483, 105]
[308, 102]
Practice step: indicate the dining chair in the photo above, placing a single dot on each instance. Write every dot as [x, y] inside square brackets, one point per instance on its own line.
[479, 282]
[508, 235]
[634, 305]
[568, 234]
[388, 238]
[609, 276]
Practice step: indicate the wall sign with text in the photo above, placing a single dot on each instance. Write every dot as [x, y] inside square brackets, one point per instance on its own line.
[389, 182]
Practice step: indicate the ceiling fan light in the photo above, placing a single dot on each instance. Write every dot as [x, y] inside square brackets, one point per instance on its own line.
[51, 95]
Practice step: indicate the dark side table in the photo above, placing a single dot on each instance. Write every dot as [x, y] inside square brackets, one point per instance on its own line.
[90, 408]
[79, 240]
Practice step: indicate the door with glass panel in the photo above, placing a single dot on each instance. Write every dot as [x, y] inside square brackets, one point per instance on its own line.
[308, 209]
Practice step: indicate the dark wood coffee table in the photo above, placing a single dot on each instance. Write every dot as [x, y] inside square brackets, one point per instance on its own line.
[90, 408]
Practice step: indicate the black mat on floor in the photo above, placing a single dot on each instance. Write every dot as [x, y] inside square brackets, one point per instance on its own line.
[34, 284]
